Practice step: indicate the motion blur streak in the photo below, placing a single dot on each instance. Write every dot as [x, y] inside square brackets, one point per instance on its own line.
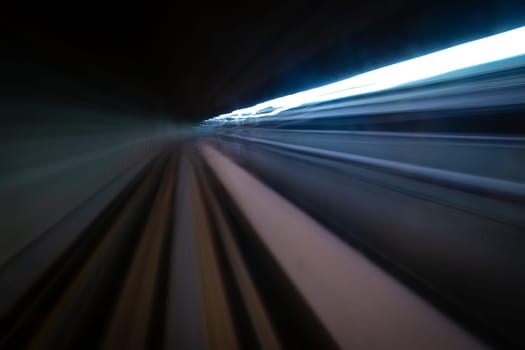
[426, 179]
[498, 47]
[393, 219]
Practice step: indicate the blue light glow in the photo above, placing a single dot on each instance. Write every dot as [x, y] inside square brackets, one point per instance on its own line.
[491, 49]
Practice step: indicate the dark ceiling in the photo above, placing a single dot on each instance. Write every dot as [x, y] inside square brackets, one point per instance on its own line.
[192, 60]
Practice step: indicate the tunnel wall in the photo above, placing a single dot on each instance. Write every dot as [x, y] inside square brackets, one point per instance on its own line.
[56, 156]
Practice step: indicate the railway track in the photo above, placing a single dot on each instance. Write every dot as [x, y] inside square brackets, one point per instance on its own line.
[192, 251]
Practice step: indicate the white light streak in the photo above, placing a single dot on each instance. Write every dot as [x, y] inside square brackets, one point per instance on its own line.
[491, 49]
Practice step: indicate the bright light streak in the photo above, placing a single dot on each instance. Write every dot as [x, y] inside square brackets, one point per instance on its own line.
[491, 49]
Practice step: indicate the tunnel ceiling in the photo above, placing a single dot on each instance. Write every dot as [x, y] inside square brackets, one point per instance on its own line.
[191, 60]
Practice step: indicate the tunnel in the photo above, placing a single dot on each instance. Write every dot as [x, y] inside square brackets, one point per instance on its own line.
[258, 175]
